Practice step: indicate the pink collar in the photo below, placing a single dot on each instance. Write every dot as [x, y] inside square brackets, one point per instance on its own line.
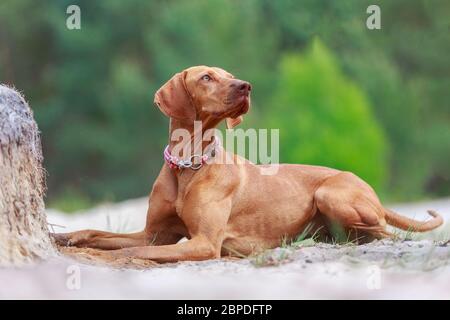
[176, 163]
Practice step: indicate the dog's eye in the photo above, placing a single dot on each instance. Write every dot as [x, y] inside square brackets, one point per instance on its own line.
[206, 77]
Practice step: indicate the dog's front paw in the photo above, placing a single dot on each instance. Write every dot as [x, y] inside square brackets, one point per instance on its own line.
[61, 239]
[72, 239]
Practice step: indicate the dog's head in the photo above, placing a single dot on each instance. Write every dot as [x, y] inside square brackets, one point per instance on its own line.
[201, 92]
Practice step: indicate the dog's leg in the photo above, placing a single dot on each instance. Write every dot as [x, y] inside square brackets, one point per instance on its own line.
[163, 225]
[206, 221]
[198, 248]
[101, 239]
[351, 204]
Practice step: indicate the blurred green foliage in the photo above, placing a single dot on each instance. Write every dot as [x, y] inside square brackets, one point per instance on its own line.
[319, 111]
[372, 101]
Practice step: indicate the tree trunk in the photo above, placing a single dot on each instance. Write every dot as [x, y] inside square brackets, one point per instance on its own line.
[24, 235]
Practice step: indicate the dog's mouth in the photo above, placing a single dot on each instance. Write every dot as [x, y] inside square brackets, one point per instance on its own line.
[242, 105]
[245, 105]
[237, 104]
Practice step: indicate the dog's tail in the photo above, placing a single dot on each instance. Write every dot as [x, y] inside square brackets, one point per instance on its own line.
[408, 224]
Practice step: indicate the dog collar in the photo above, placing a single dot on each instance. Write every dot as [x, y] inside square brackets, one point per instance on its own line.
[175, 163]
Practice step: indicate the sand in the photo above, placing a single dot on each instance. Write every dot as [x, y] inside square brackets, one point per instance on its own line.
[380, 270]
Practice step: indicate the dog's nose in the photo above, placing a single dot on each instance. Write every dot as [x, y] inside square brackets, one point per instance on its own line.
[242, 87]
[245, 87]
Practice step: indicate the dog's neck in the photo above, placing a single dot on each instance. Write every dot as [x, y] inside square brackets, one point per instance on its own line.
[184, 176]
[176, 124]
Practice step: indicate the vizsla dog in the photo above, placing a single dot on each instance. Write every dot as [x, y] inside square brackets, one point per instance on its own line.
[224, 209]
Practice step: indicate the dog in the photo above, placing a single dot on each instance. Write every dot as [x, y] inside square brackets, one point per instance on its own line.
[225, 209]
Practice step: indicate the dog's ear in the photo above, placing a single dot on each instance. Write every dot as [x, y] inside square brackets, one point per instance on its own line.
[233, 122]
[174, 100]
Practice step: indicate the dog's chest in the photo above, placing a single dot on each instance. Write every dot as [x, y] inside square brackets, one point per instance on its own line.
[178, 206]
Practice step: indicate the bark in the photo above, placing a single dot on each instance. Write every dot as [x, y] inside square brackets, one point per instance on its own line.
[24, 235]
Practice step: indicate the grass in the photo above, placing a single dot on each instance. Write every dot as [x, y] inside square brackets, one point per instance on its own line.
[274, 257]
[307, 238]
[121, 226]
[303, 239]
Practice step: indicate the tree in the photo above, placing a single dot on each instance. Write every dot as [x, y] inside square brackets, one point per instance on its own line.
[325, 119]
[23, 227]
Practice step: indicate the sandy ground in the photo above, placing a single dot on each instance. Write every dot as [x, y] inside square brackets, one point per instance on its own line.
[380, 270]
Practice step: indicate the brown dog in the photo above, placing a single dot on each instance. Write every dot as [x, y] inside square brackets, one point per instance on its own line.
[227, 209]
